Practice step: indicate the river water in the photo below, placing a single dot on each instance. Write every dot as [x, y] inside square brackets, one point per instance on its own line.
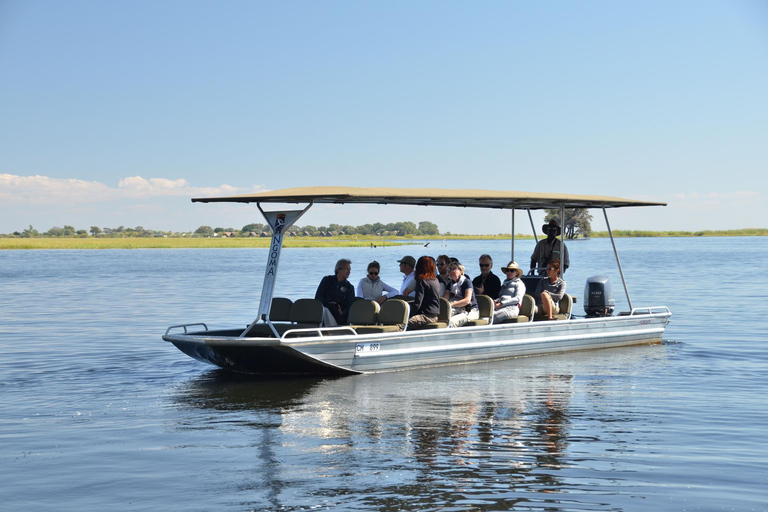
[98, 413]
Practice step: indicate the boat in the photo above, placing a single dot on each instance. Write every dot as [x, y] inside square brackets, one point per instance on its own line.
[287, 338]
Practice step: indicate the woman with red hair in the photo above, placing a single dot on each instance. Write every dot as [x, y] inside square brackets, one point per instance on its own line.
[426, 305]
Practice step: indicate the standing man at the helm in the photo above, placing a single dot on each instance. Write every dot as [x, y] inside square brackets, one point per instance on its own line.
[549, 248]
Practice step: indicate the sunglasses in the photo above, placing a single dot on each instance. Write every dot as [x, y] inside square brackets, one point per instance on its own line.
[373, 273]
[441, 264]
[484, 265]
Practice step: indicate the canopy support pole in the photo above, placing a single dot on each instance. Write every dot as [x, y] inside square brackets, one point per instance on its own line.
[279, 222]
[618, 262]
[562, 239]
[513, 234]
[530, 218]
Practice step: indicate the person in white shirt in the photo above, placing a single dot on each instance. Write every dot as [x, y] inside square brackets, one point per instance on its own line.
[372, 287]
[407, 264]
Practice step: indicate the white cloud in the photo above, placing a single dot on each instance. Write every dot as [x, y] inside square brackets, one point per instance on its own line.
[45, 190]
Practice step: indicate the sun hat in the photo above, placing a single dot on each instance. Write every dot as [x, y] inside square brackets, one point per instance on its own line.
[410, 260]
[513, 266]
[552, 224]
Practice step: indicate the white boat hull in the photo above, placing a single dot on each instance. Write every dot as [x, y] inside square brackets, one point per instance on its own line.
[374, 353]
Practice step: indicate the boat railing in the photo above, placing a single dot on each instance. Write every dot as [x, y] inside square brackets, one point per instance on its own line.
[650, 310]
[319, 331]
[185, 327]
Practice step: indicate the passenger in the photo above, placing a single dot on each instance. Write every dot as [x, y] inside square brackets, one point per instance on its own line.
[462, 297]
[549, 248]
[487, 283]
[456, 260]
[337, 294]
[406, 267]
[426, 306]
[511, 294]
[373, 288]
[550, 291]
[443, 262]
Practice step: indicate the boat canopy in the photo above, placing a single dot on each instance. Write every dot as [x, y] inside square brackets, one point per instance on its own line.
[429, 197]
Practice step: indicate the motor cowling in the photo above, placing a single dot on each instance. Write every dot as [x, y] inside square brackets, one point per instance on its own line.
[598, 297]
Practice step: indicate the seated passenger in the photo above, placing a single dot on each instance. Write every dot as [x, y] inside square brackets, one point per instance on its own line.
[487, 283]
[548, 249]
[550, 291]
[462, 297]
[336, 294]
[456, 260]
[443, 262]
[373, 288]
[426, 305]
[511, 294]
[406, 267]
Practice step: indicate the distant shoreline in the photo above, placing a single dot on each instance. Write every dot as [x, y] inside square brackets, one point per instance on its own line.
[97, 242]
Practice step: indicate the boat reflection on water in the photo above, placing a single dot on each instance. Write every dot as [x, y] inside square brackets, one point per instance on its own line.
[497, 433]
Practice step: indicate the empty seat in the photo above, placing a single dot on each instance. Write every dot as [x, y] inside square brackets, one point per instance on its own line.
[486, 306]
[280, 310]
[392, 314]
[526, 311]
[442, 318]
[363, 313]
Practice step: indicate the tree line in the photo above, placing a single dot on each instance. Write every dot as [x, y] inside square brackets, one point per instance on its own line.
[249, 230]
[577, 223]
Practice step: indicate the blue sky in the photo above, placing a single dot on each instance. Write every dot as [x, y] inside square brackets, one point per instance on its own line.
[116, 113]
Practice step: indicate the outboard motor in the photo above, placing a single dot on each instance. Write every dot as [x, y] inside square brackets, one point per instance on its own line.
[598, 297]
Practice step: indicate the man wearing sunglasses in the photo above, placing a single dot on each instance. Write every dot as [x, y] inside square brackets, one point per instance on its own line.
[487, 283]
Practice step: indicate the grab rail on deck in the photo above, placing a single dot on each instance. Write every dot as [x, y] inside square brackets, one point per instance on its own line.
[649, 310]
[319, 330]
[184, 326]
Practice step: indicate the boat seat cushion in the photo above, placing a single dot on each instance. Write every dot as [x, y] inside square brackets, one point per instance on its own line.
[527, 308]
[516, 320]
[307, 311]
[376, 329]
[486, 306]
[443, 317]
[564, 313]
[393, 312]
[363, 312]
[432, 325]
[280, 311]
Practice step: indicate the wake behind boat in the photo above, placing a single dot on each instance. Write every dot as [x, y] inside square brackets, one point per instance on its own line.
[288, 338]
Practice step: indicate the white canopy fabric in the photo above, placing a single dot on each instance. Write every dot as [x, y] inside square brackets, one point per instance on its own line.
[468, 198]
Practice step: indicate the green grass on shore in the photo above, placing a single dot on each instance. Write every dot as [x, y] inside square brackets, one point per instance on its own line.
[182, 243]
[343, 241]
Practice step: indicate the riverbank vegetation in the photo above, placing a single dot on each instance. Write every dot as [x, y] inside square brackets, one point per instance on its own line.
[202, 242]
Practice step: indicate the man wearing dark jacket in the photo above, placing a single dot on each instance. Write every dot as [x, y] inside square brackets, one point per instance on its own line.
[336, 293]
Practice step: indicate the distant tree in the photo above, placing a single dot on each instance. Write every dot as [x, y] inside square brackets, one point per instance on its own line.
[95, 230]
[55, 231]
[204, 231]
[428, 228]
[256, 227]
[577, 221]
[69, 231]
[30, 232]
